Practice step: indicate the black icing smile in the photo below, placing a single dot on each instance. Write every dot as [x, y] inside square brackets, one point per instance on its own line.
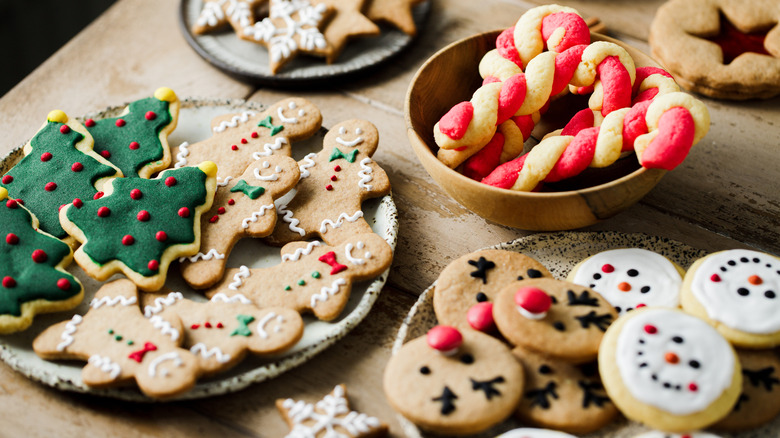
[693, 363]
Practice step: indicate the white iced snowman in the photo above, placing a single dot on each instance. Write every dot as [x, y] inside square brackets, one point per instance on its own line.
[527, 432]
[630, 278]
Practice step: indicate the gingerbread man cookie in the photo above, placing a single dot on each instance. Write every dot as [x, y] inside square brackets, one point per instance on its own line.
[313, 277]
[334, 183]
[241, 139]
[120, 345]
[758, 402]
[242, 208]
[32, 269]
[553, 317]
[466, 288]
[452, 382]
[220, 332]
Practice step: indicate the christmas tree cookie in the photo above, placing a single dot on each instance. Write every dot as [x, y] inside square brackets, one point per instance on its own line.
[334, 183]
[242, 208]
[32, 269]
[136, 141]
[138, 226]
[312, 278]
[241, 139]
[59, 167]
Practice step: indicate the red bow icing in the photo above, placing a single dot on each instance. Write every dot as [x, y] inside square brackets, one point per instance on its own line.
[138, 356]
[330, 258]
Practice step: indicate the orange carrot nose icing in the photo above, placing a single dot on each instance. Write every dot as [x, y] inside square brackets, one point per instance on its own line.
[755, 280]
[624, 287]
[671, 358]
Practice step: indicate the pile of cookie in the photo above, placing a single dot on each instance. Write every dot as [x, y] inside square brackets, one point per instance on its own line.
[572, 355]
[320, 28]
[90, 188]
[547, 54]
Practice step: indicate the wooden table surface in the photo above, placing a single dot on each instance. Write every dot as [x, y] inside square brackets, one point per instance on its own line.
[725, 195]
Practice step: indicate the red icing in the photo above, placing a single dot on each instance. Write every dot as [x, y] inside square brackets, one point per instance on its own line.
[234, 147]
[9, 282]
[650, 329]
[207, 325]
[136, 194]
[510, 98]
[455, 123]
[184, 212]
[693, 387]
[11, 239]
[490, 79]
[46, 156]
[63, 283]
[50, 186]
[77, 167]
[337, 168]
[213, 219]
[161, 236]
[64, 129]
[231, 201]
[608, 269]
[219, 325]
[134, 145]
[334, 178]
[576, 31]
[221, 210]
[669, 148]
[330, 259]
[255, 135]
[120, 123]
[640, 305]
[733, 43]
[11, 203]
[78, 203]
[89, 123]
[485, 160]
[616, 84]
[244, 141]
[128, 240]
[39, 256]
[328, 187]
[533, 299]
[105, 154]
[150, 115]
[480, 317]
[7, 179]
[103, 212]
[195, 326]
[143, 216]
[170, 181]
[138, 356]
[444, 338]
[98, 195]
[153, 265]
[505, 43]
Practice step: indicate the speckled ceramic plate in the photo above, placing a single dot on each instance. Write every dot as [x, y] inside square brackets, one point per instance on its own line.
[249, 61]
[194, 125]
[559, 252]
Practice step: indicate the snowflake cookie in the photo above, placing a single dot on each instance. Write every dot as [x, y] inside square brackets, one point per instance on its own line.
[218, 14]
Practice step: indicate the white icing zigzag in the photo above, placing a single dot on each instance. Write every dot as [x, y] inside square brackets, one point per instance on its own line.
[161, 302]
[224, 182]
[111, 302]
[208, 256]
[268, 148]
[234, 121]
[243, 272]
[287, 216]
[365, 174]
[256, 215]
[181, 157]
[327, 292]
[356, 260]
[339, 221]
[200, 348]
[295, 256]
[106, 365]
[308, 163]
[173, 356]
[222, 298]
[164, 327]
[67, 335]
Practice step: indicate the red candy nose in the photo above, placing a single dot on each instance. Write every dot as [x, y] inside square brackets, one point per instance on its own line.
[444, 338]
[533, 300]
[480, 317]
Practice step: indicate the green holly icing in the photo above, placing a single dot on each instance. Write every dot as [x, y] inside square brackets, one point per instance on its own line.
[253, 192]
[243, 328]
[266, 123]
[49, 176]
[152, 232]
[301, 282]
[288, 288]
[136, 127]
[23, 278]
[350, 156]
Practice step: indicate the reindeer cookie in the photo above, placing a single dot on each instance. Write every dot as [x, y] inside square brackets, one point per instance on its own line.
[759, 401]
[334, 183]
[454, 382]
[120, 345]
[220, 332]
[312, 278]
[244, 207]
[554, 318]
[241, 139]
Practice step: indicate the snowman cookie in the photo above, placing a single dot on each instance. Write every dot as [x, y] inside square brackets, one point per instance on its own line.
[454, 382]
[553, 317]
[659, 434]
[630, 278]
[669, 370]
[760, 398]
[466, 288]
[527, 432]
[737, 292]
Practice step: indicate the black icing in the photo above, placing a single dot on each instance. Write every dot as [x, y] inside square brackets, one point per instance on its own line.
[545, 369]
[600, 321]
[541, 397]
[487, 386]
[533, 273]
[482, 266]
[557, 325]
[425, 370]
[590, 396]
[467, 359]
[481, 297]
[632, 272]
[447, 399]
[583, 299]
[763, 377]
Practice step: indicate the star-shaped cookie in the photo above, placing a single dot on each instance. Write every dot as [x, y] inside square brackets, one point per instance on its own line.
[348, 22]
[396, 12]
[218, 14]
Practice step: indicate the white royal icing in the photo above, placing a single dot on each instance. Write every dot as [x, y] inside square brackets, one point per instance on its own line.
[656, 283]
[238, 279]
[269, 148]
[327, 415]
[223, 182]
[211, 254]
[308, 163]
[527, 432]
[758, 311]
[173, 356]
[234, 121]
[221, 297]
[365, 174]
[659, 434]
[239, 12]
[160, 303]
[271, 177]
[327, 291]
[67, 334]
[256, 215]
[705, 366]
[112, 301]
[265, 320]
[343, 217]
[106, 365]
[296, 255]
[181, 157]
[355, 260]
[201, 349]
[211, 14]
[281, 41]
[350, 143]
[287, 216]
[164, 327]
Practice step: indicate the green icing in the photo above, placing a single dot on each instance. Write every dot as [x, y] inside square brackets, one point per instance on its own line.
[301, 282]
[243, 328]
[104, 234]
[350, 156]
[316, 274]
[34, 281]
[266, 123]
[31, 175]
[116, 140]
[288, 288]
[253, 192]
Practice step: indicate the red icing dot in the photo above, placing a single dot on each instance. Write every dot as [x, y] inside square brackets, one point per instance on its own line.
[98, 195]
[136, 194]
[693, 387]
[120, 123]
[219, 325]
[77, 167]
[244, 141]
[255, 135]
[11, 203]
[46, 156]
[715, 278]
[39, 256]
[50, 187]
[195, 326]
[7, 179]
[337, 168]
[231, 201]
[63, 283]
[184, 212]
[64, 129]
[213, 219]
[134, 145]
[480, 316]
[78, 203]
[89, 123]
[221, 210]
[207, 325]
[640, 305]
[170, 181]
[153, 265]
[234, 147]
[103, 212]
[11, 239]
[444, 338]
[61, 207]
[161, 236]
[9, 282]
[650, 329]
[128, 240]
[533, 300]
[105, 154]
[608, 268]
[150, 115]
[328, 187]
[334, 178]
[143, 216]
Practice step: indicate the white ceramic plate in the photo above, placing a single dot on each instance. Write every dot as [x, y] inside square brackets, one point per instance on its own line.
[194, 125]
[559, 252]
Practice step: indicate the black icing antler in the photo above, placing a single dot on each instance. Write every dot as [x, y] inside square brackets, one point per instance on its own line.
[540, 397]
[600, 321]
[584, 299]
[482, 266]
[447, 399]
[762, 377]
[743, 398]
[487, 386]
[589, 394]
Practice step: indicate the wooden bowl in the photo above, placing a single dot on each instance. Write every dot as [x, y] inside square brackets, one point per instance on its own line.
[451, 76]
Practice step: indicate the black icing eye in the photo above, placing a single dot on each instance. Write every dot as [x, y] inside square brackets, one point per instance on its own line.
[743, 292]
[467, 359]
[533, 273]
[481, 297]
[559, 326]
[645, 289]
[756, 260]
[632, 272]
[597, 276]
[544, 369]
[677, 340]
[425, 370]
[694, 364]
[743, 260]
[769, 294]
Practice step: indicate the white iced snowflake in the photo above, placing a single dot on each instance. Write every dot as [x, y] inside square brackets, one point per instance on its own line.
[301, 19]
[239, 12]
[330, 412]
[211, 14]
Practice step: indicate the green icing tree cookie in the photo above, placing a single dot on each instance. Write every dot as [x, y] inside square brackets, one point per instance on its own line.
[59, 167]
[140, 225]
[32, 269]
[137, 140]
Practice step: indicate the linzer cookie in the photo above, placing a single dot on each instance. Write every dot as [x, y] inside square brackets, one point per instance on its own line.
[32, 269]
[466, 288]
[244, 207]
[758, 402]
[728, 49]
[312, 278]
[454, 382]
[669, 370]
[737, 292]
[334, 183]
[120, 345]
[138, 226]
